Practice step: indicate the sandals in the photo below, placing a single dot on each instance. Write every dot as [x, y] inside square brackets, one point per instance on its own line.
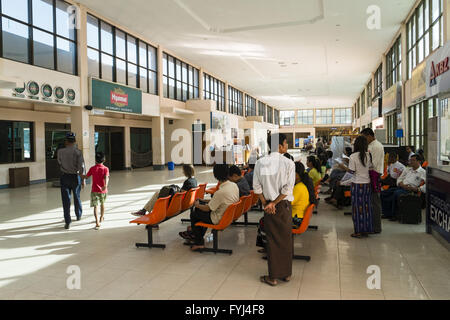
[197, 248]
[266, 280]
[357, 235]
[187, 236]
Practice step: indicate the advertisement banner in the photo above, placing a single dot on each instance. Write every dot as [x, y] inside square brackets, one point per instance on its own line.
[438, 72]
[115, 97]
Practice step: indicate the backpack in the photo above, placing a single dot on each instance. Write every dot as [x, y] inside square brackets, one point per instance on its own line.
[169, 191]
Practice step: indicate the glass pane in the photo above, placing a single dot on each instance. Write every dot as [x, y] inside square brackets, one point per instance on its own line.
[93, 63]
[22, 141]
[436, 10]
[178, 89]
[107, 67]
[185, 91]
[427, 44]
[420, 49]
[43, 14]
[153, 83]
[178, 70]
[143, 54]
[185, 74]
[420, 21]
[131, 47]
[143, 79]
[63, 23]
[16, 9]
[171, 67]
[152, 57]
[121, 72]
[15, 40]
[435, 32]
[66, 55]
[92, 32]
[195, 78]
[43, 49]
[120, 44]
[107, 38]
[171, 89]
[6, 140]
[165, 89]
[132, 75]
[164, 65]
[427, 15]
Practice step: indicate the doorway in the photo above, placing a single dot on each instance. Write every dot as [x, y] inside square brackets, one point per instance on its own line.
[55, 134]
[110, 141]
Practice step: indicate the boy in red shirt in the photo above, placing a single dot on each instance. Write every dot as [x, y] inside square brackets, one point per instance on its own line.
[100, 180]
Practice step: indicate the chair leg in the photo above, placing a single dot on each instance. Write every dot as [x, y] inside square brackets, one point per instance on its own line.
[150, 243]
[313, 228]
[215, 249]
[245, 223]
[306, 258]
[187, 220]
[347, 213]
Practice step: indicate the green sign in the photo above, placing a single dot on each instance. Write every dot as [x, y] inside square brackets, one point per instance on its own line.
[33, 88]
[71, 95]
[59, 94]
[47, 92]
[115, 97]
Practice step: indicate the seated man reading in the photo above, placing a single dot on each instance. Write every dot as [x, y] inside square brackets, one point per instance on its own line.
[411, 180]
[212, 212]
[236, 177]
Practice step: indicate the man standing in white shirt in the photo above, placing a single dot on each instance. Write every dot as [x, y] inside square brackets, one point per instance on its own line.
[273, 182]
[376, 150]
[412, 180]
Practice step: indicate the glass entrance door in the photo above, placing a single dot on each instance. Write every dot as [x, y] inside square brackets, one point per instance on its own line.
[55, 134]
[110, 141]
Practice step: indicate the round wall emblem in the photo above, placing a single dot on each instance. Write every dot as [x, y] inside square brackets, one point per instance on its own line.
[47, 90]
[33, 88]
[59, 93]
[20, 90]
[70, 93]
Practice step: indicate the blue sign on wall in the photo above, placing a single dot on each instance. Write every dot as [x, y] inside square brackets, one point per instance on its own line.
[399, 133]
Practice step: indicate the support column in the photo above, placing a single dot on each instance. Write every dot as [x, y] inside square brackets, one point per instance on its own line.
[79, 115]
[158, 144]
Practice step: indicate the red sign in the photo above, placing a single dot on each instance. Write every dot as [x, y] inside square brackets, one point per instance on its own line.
[439, 69]
[119, 99]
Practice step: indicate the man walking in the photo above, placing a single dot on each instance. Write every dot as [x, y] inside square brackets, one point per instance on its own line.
[273, 182]
[376, 150]
[72, 168]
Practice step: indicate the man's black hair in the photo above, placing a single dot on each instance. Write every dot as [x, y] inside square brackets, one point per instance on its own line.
[235, 170]
[368, 132]
[281, 137]
[100, 157]
[252, 166]
[290, 157]
[221, 172]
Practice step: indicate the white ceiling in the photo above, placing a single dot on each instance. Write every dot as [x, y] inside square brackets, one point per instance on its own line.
[327, 50]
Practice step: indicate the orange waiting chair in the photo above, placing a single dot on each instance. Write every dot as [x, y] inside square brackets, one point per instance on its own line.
[188, 201]
[155, 217]
[174, 208]
[200, 194]
[224, 223]
[211, 191]
[302, 229]
[247, 207]
[240, 210]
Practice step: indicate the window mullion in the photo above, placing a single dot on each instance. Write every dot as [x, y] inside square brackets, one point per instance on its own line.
[30, 33]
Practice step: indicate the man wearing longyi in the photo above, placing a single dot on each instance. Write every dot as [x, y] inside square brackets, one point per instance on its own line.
[273, 182]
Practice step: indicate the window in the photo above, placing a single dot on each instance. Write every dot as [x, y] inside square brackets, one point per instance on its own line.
[378, 82]
[269, 114]
[16, 142]
[394, 64]
[213, 89]
[343, 116]
[180, 80]
[391, 122]
[418, 124]
[38, 32]
[276, 117]
[363, 103]
[424, 32]
[358, 108]
[287, 118]
[262, 110]
[369, 94]
[324, 116]
[235, 101]
[116, 56]
[250, 106]
[305, 117]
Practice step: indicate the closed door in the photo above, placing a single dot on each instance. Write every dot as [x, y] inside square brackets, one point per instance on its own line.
[110, 141]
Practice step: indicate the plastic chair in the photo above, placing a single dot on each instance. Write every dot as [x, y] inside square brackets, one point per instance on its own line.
[248, 201]
[155, 217]
[201, 191]
[174, 208]
[226, 220]
[211, 191]
[240, 209]
[189, 199]
[302, 229]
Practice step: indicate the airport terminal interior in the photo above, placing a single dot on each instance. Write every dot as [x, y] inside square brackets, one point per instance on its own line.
[156, 88]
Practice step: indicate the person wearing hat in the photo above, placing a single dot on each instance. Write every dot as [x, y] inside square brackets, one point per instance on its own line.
[71, 162]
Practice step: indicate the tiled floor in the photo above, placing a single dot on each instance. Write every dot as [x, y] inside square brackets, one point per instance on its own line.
[35, 253]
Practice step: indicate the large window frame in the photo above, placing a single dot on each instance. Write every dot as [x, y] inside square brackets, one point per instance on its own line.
[324, 116]
[343, 116]
[269, 114]
[378, 82]
[180, 79]
[422, 29]
[276, 117]
[58, 39]
[12, 140]
[305, 117]
[250, 106]
[394, 64]
[418, 125]
[391, 126]
[235, 101]
[214, 89]
[262, 110]
[117, 61]
[287, 118]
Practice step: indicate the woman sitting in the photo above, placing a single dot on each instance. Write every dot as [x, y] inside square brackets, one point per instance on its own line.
[190, 183]
[301, 195]
[212, 212]
[314, 169]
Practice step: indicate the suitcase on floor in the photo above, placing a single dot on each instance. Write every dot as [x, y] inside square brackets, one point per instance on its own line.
[409, 209]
